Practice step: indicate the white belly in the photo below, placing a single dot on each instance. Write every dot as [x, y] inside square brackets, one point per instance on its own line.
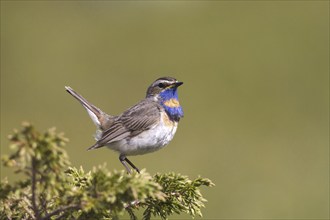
[148, 141]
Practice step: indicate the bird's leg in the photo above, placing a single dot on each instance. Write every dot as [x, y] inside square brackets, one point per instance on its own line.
[132, 165]
[122, 159]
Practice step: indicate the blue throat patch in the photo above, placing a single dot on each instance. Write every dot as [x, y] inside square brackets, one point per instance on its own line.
[170, 101]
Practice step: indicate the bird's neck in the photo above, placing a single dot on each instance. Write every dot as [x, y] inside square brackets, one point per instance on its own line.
[169, 100]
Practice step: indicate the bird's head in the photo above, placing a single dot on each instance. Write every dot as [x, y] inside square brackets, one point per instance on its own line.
[164, 86]
[164, 90]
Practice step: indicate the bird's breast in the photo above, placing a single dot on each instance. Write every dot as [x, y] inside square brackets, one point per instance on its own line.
[152, 139]
[172, 103]
[173, 109]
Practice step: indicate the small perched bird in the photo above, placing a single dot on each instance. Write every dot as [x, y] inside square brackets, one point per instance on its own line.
[143, 128]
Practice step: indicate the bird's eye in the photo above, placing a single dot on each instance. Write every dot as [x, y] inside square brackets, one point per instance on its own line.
[161, 85]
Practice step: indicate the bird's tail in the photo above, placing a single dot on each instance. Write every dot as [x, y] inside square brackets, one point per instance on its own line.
[100, 119]
[95, 146]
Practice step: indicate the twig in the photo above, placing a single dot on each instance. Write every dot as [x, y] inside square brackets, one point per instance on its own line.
[59, 210]
[132, 204]
[34, 202]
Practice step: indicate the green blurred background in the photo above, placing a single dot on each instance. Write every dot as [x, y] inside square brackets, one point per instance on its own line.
[256, 92]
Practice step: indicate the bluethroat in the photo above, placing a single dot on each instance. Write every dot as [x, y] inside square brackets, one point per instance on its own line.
[143, 128]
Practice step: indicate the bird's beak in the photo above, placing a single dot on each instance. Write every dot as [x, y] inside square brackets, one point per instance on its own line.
[177, 84]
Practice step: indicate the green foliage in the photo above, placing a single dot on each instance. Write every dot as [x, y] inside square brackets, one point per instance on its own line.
[52, 189]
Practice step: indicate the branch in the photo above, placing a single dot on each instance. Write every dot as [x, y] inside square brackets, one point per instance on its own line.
[34, 202]
[59, 210]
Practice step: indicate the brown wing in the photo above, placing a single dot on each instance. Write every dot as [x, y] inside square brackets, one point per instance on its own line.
[133, 121]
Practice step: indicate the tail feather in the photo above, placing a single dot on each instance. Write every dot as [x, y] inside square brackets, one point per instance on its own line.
[95, 146]
[100, 119]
